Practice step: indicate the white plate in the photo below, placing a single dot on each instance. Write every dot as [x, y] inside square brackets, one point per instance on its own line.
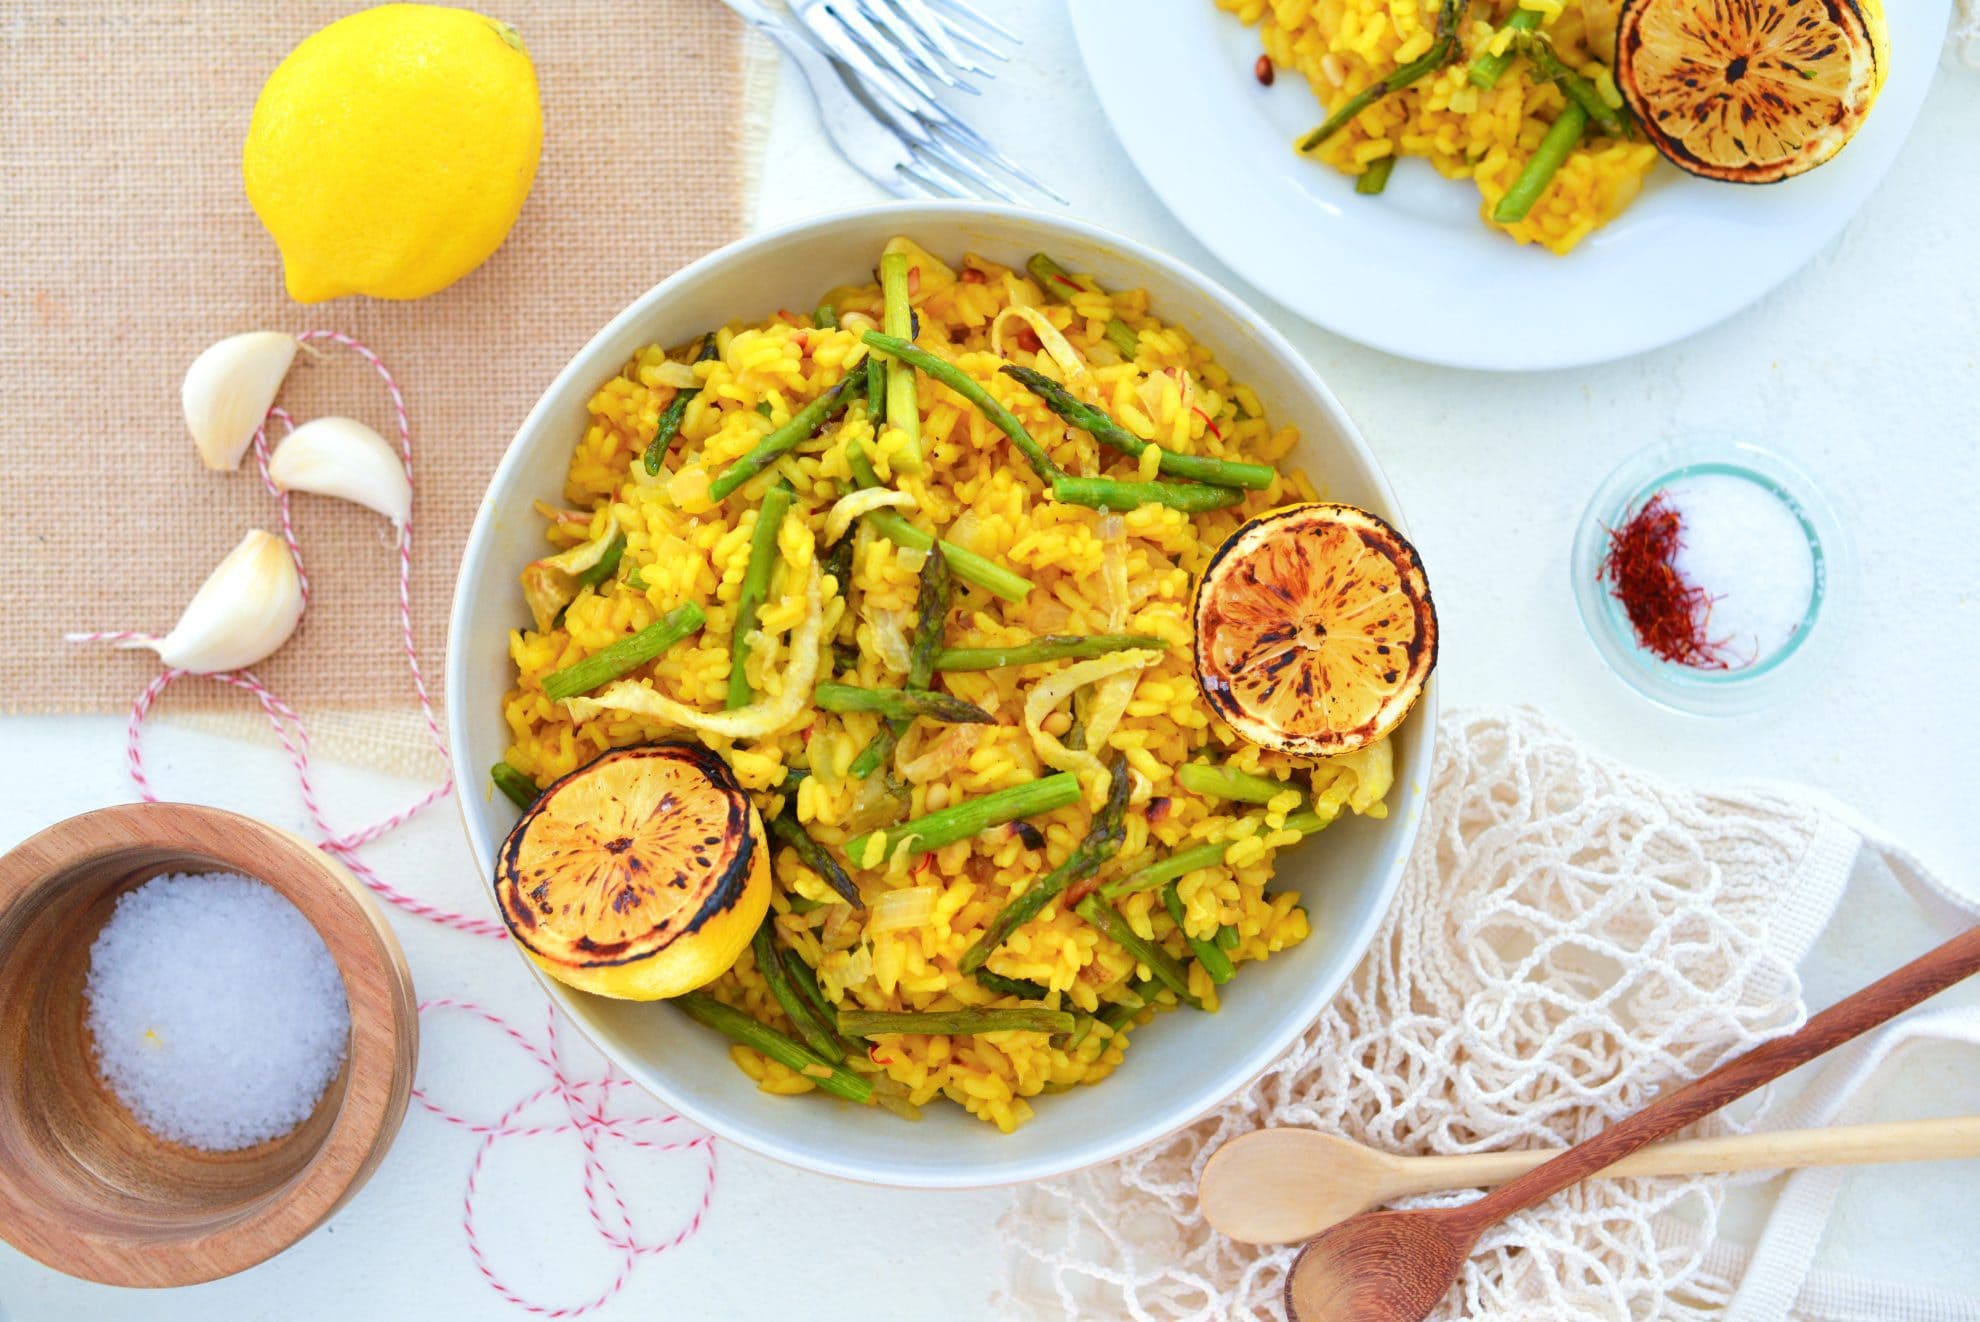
[1182, 1064]
[1414, 271]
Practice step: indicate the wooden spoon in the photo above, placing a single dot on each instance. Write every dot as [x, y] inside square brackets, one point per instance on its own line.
[1395, 1266]
[1276, 1186]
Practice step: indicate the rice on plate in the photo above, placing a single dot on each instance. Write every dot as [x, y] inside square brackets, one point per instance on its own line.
[635, 543]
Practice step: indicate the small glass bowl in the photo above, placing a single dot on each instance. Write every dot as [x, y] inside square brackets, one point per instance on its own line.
[1687, 688]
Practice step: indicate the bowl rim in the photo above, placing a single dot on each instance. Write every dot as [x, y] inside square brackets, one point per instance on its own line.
[380, 1054]
[1405, 817]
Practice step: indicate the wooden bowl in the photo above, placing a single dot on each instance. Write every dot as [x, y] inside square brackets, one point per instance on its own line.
[83, 1187]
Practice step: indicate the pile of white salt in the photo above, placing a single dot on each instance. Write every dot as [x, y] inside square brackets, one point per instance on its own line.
[218, 1013]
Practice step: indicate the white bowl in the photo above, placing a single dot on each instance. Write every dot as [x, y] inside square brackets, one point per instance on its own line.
[1184, 1062]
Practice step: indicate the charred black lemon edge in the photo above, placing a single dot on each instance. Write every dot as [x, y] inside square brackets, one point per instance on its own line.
[722, 896]
[1629, 35]
[1219, 696]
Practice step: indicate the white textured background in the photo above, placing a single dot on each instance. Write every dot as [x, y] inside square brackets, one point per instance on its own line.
[1862, 369]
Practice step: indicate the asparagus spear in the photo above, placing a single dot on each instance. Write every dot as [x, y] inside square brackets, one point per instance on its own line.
[1167, 971]
[785, 827]
[1095, 422]
[1023, 988]
[931, 613]
[1487, 69]
[825, 317]
[806, 983]
[970, 817]
[1105, 493]
[756, 586]
[1058, 284]
[1375, 178]
[1218, 782]
[1441, 52]
[625, 655]
[771, 965]
[1542, 166]
[767, 451]
[959, 381]
[965, 564]
[1228, 938]
[897, 319]
[901, 704]
[1214, 961]
[1576, 88]
[1116, 1013]
[608, 563]
[1185, 861]
[875, 1023]
[520, 788]
[1100, 844]
[670, 417]
[739, 1027]
[1049, 647]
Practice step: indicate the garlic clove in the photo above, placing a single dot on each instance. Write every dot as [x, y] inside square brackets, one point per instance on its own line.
[246, 609]
[228, 391]
[342, 457]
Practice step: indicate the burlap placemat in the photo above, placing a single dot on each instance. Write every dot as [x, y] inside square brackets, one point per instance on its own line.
[130, 246]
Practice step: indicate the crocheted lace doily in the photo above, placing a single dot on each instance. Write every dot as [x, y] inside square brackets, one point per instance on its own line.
[1571, 935]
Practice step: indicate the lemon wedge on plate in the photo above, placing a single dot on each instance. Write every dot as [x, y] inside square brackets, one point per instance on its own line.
[640, 875]
[1751, 91]
[1315, 631]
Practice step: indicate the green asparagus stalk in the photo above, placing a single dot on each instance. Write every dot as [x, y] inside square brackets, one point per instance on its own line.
[608, 563]
[1441, 52]
[970, 817]
[1116, 1013]
[1487, 69]
[897, 320]
[1058, 284]
[933, 596]
[739, 1027]
[756, 587]
[825, 317]
[1049, 647]
[1576, 88]
[520, 788]
[1218, 782]
[1545, 162]
[1228, 938]
[625, 655]
[670, 417]
[1373, 180]
[1104, 493]
[901, 704]
[1095, 422]
[768, 450]
[876, 1023]
[1022, 988]
[959, 381]
[770, 963]
[878, 749]
[964, 564]
[1167, 971]
[1102, 840]
[823, 1010]
[1214, 961]
[1185, 861]
[785, 827]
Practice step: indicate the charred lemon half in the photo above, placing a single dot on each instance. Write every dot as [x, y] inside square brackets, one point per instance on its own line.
[1750, 91]
[1314, 629]
[640, 875]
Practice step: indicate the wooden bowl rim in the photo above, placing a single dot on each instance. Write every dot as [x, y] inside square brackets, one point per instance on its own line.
[380, 1057]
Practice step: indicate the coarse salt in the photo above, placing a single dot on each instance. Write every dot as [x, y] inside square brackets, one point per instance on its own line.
[218, 1014]
[1745, 547]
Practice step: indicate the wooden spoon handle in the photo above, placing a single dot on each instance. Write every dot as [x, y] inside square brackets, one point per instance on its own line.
[1884, 999]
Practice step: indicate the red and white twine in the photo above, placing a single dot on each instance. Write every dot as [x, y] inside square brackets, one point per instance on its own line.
[587, 1102]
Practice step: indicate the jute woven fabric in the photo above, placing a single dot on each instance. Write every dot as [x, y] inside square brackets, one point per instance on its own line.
[131, 246]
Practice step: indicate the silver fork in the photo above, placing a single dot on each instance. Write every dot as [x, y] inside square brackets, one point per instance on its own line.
[906, 37]
[886, 128]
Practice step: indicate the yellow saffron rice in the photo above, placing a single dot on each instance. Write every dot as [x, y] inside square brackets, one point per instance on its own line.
[1092, 572]
[1342, 47]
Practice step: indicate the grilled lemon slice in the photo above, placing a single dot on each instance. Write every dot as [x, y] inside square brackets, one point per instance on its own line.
[640, 875]
[1750, 91]
[1314, 629]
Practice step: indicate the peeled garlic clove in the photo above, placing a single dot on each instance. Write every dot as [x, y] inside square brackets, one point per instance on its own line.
[229, 389]
[342, 457]
[246, 609]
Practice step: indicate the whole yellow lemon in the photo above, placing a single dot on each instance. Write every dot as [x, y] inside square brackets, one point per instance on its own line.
[391, 152]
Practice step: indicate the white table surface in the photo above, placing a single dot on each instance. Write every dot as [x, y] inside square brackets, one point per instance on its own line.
[1863, 369]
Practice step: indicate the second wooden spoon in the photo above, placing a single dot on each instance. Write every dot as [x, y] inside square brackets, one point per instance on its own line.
[1275, 1186]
